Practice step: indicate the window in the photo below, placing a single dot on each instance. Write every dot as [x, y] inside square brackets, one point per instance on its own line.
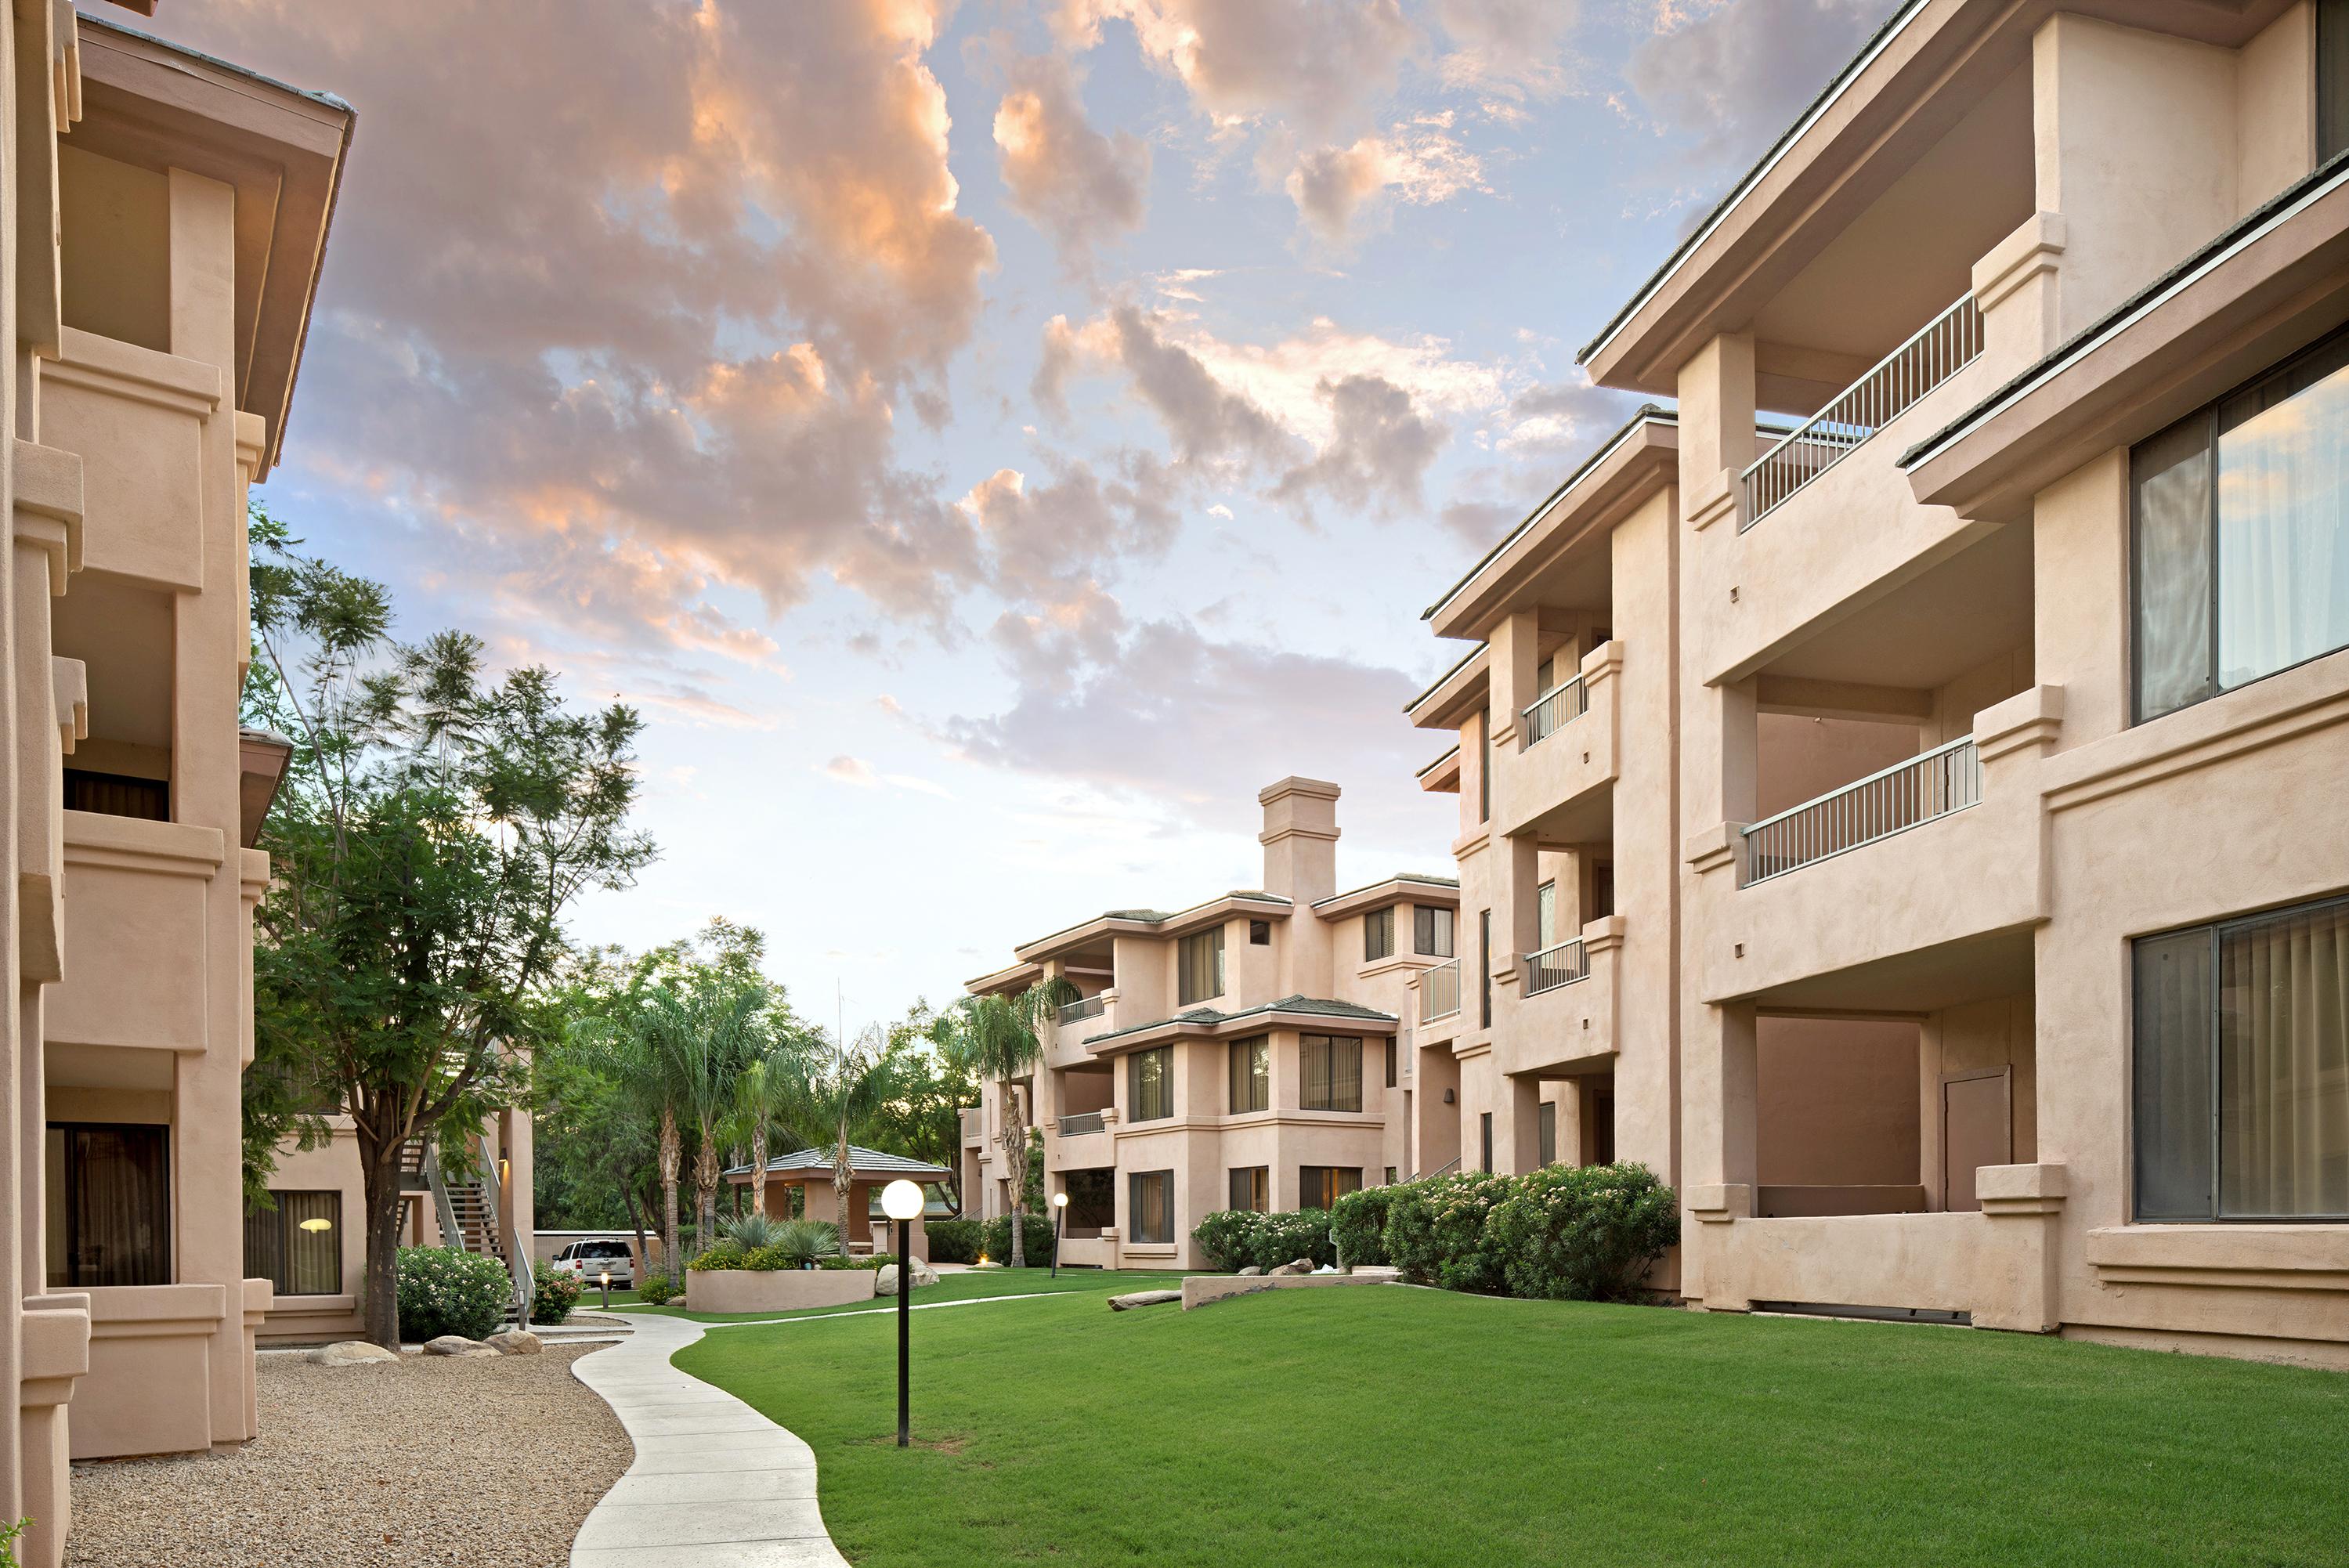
[1252, 1074]
[1149, 1084]
[2331, 78]
[1432, 930]
[1550, 1133]
[2240, 517]
[118, 795]
[1149, 1198]
[1259, 934]
[1484, 767]
[1092, 1200]
[1545, 915]
[1318, 1186]
[1333, 1072]
[2241, 1098]
[1545, 675]
[110, 1204]
[1484, 967]
[1390, 1175]
[1485, 1132]
[1252, 1187]
[1199, 967]
[297, 1247]
[1378, 935]
[1603, 890]
[1391, 1050]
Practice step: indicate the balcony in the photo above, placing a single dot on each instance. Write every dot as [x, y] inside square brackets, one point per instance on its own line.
[1555, 708]
[136, 922]
[968, 1116]
[1081, 1123]
[1561, 1021]
[1904, 796]
[1084, 1007]
[1562, 964]
[1557, 781]
[1439, 992]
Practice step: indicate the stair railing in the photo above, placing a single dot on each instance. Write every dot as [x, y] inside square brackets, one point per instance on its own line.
[444, 1210]
[517, 1256]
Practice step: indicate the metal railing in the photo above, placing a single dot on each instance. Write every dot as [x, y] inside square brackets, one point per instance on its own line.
[1082, 1008]
[1940, 348]
[1084, 1121]
[1554, 710]
[1945, 780]
[1439, 992]
[526, 1280]
[1559, 964]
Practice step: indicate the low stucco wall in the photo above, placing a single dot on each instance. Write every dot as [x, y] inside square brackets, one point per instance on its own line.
[780, 1290]
[1199, 1289]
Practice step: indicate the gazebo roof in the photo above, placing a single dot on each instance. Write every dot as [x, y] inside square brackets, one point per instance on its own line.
[862, 1161]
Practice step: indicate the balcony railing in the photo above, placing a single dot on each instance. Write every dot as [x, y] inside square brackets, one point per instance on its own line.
[1561, 964]
[1077, 1126]
[1439, 992]
[1943, 347]
[1082, 1008]
[1945, 780]
[1555, 709]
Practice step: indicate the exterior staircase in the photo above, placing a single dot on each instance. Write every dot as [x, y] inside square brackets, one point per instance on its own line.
[466, 1209]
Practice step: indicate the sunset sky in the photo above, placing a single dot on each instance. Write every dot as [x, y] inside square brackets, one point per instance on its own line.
[988, 441]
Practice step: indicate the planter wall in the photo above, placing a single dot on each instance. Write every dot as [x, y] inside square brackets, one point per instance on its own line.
[780, 1290]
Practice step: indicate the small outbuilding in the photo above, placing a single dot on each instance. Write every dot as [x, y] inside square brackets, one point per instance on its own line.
[864, 1229]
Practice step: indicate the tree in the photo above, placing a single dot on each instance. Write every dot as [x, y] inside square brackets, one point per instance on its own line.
[841, 1089]
[999, 1039]
[434, 825]
[921, 1116]
[764, 1095]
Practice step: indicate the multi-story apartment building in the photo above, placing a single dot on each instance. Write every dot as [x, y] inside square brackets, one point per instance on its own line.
[165, 219]
[1961, 750]
[1238, 1053]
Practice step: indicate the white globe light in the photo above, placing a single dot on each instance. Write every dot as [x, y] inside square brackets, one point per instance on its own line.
[900, 1200]
[1060, 1200]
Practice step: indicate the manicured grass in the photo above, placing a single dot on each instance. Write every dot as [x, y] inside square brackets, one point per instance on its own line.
[1389, 1426]
[954, 1287]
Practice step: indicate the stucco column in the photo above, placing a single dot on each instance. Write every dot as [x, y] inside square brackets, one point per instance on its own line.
[2024, 1206]
[1716, 428]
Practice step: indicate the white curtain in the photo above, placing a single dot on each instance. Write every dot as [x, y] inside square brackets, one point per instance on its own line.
[2283, 1065]
[2283, 522]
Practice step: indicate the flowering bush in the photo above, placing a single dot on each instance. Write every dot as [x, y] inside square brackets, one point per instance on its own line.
[444, 1290]
[1239, 1238]
[1589, 1234]
[658, 1290]
[1228, 1238]
[1358, 1226]
[1435, 1231]
[553, 1296]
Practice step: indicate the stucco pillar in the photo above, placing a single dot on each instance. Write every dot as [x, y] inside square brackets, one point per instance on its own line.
[1517, 1129]
[2017, 287]
[2024, 1206]
[1716, 428]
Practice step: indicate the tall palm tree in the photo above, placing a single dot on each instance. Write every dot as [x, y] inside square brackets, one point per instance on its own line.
[1000, 1038]
[766, 1092]
[705, 1035]
[629, 1048]
[832, 1099]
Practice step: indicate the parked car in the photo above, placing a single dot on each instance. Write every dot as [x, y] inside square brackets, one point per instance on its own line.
[589, 1259]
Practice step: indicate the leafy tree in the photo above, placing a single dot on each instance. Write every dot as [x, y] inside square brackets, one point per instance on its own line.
[997, 1040]
[921, 1116]
[435, 824]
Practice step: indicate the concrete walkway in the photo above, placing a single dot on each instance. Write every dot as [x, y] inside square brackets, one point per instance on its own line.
[715, 1484]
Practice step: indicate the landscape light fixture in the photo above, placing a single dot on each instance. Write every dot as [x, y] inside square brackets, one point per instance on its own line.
[1060, 1212]
[608, 1290]
[902, 1200]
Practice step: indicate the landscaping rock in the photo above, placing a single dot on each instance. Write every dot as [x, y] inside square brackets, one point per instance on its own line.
[1297, 1267]
[1250, 1272]
[456, 1345]
[351, 1353]
[514, 1342]
[1134, 1298]
[885, 1283]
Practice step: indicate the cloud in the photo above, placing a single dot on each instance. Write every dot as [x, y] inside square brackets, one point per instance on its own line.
[1314, 64]
[1479, 524]
[1206, 419]
[1508, 49]
[1420, 163]
[1079, 186]
[1563, 417]
[1049, 546]
[1379, 452]
[1736, 77]
[852, 771]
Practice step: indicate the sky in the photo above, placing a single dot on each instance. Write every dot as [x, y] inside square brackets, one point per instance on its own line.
[988, 441]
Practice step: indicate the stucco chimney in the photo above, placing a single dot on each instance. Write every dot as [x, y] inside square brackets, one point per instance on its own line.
[1299, 838]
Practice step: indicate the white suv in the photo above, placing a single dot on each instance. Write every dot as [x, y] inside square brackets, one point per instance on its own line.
[588, 1261]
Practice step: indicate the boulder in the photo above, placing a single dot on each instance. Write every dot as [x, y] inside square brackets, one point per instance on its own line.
[886, 1283]
[1301, 1266]
[1134, 1298]
[1250, 1272]
[351, 1353]
[514, 1342]
[456, 1345]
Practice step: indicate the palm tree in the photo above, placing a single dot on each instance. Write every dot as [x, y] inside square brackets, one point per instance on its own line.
[705, 1035]
[834, 1097]
[629, 1048]
[766, 1092]
[1000, 1039]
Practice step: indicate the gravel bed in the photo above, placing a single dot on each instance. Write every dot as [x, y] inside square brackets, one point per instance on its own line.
[492, 1464]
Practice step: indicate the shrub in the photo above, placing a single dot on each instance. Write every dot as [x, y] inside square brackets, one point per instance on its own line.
[752, 1231]
[1238, 1238]
[444, 1290]
[658, 1290]
[804, 1242]
[552, 1296]
[728, 1254]
[1582, 1234]
[876, 1261]
[955, 1241]
[1435, 1231]
[1036, 1235]
[1358, 1226]
[1228, 1238]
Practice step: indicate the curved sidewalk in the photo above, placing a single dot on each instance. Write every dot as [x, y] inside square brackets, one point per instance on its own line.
[715, 1484]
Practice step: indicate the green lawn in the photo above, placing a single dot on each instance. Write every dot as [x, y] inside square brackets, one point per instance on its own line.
[950, 1287]
[1388, 1426]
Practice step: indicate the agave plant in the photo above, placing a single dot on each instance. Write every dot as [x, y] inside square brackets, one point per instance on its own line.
[750, 1231]
[801, 1242]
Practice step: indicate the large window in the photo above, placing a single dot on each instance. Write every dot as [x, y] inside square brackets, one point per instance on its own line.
[1199, 967]
[118, 795]
[1151, 1198]
[297, 1247]
[2241, 1098]
[1252, 1187]
[1092, 1200]
[1252, 1074]
[1318, 1186]
[1149, 1084]
[110, 1204]
[1432, 930]
[1378, 935]
[1332, 1072]
[2242, 525]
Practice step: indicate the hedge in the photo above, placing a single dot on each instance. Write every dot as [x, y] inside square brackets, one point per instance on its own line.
[1358, 1226]
[1562, 1233]
[1036, 1235]
[444, 1290]
[957, 1240]
[1435, 1231]
[1235, 1238]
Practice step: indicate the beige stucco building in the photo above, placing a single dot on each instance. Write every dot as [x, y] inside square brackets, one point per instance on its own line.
[1239, 1053]
[1904, 781]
